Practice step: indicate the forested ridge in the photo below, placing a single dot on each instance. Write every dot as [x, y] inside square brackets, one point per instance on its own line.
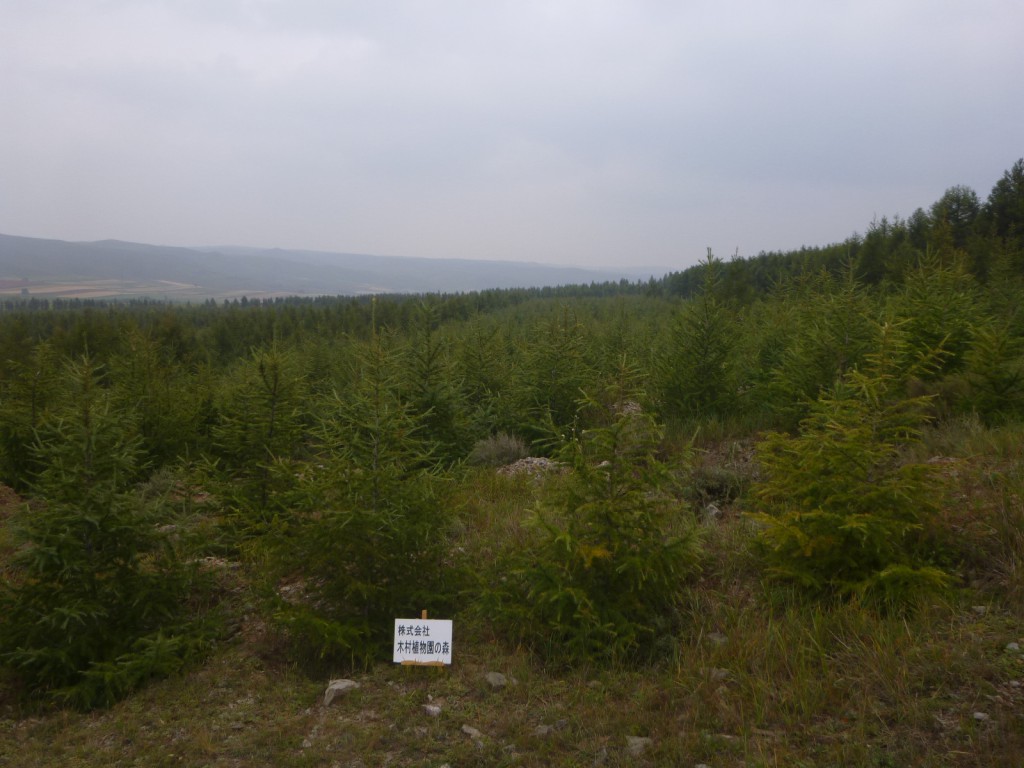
[342, 453]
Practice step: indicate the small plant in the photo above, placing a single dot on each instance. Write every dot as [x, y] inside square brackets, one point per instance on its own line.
[95, 603]
[614, 547]
[839, 510]
[367, 539]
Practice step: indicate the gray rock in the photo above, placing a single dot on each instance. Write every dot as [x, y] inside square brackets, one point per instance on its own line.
[717, 638]
[719, 675]
[637, 745]
[432, 709]
[542, 730]
[472, 732]
[496, 680]
[337, 688]
[1013, 647]
[981, 717]
[981, 610]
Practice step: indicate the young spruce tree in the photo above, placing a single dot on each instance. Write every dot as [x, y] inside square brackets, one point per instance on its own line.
[614, 544]
[840, 512]
[95, 601]
[369, 536]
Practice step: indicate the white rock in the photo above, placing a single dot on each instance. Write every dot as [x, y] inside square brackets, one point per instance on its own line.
[496, 680]
[637, 745]
[981, 717]
[432, 709]
[1013, 646]
[472, 732]
[338, 688]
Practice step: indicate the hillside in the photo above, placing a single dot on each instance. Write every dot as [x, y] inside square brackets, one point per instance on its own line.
[110, 268]
[779, 522]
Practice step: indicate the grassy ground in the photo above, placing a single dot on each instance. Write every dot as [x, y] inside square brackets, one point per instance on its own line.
[755, 678]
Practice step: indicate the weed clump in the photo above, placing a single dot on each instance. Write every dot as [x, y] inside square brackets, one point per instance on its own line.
[498, 450]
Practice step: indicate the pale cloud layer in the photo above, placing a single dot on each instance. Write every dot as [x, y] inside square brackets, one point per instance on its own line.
[590, 132]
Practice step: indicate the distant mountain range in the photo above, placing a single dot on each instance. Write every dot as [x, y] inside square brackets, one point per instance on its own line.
[112, 268]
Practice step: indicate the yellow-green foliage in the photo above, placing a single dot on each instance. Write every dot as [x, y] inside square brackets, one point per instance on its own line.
[839, 510]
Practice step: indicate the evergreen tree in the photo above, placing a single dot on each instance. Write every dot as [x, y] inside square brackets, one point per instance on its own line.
[97, 593]
[695, 374]
[26, 397]
[614, 545]
[370, 527]
[261, 425]
[840, 511]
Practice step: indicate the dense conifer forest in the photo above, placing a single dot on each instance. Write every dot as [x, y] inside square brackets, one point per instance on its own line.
[821, 446]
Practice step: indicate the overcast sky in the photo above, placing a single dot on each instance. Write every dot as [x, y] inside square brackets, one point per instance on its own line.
[590, 132]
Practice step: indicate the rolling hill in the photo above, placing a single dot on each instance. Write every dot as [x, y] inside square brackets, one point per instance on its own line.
[58, 268]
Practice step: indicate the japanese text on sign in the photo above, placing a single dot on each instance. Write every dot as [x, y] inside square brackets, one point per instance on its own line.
[423, 641]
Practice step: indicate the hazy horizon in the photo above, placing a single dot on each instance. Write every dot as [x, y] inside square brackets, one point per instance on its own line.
[571, 133]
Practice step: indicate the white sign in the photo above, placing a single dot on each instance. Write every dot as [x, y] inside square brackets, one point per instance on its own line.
[426, 642]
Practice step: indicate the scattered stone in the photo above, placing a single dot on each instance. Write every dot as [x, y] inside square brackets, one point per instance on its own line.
[472, 732]
[534, 466]
[719, 675]
[980, 610]
[338, 688]
[717, 638]
[542, 730]
[432, 709]
[712, 512]
[981, 717]
[496, 680]
[637, 745]
[306, 743]
[1013, 647]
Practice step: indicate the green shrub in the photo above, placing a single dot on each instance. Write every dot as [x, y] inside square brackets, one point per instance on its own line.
[367, 540]
[94, 606]
[613, 549]
[840, 511]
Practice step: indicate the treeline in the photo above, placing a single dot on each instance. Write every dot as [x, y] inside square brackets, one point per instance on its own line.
[325, 438]
[988, 236]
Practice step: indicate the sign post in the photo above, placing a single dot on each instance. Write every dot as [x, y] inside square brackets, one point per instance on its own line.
[423, 642]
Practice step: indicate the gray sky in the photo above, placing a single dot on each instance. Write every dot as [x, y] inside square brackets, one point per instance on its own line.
[591, 132]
